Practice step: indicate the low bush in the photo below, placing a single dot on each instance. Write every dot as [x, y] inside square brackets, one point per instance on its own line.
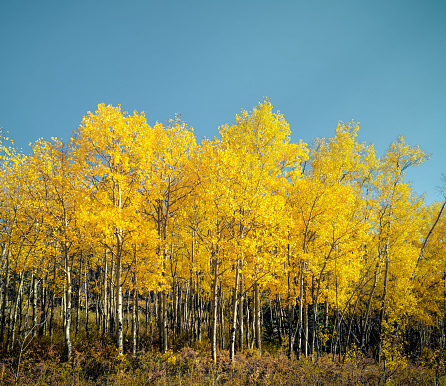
[95, 362]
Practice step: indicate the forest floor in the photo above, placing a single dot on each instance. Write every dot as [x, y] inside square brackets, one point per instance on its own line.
[95, 362]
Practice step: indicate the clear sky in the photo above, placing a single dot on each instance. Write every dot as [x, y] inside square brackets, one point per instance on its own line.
[382, 63]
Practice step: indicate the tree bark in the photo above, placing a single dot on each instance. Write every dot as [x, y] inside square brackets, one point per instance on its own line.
[234, 313]
[16, 310]
[257, 320]
[240, 315]
[44, 304]
[5, 294]
[67, 310]
[87, 313]
[214, 309]
[135, 319]
[369, 306]
[105, 317]
[301, 310]
[118, 297]
[34, 303]
[79, 295]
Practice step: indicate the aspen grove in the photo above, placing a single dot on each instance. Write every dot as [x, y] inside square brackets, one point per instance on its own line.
[142, 235]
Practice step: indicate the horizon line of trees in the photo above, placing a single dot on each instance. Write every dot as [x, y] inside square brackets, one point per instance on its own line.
[248, 238]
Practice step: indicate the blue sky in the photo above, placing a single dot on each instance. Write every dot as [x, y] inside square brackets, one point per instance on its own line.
[382, 63]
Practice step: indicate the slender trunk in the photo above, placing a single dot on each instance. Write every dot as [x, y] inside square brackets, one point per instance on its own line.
[34, 304]
[97, 303]
[104, 297]
[185, 310]
[365, 326]
[200, 315]
[161, 321]
[214, 309]
[127, 313]
[112, 298]
[134, 319]
[67, 310]
[337, 340]
[20, 316]
[350, 326]
[251, 322]
[306, 330]
[43, 307]
[53, 304]
[326, 309]
[16, 310]
[62, 306]
[87, 313]
[147, 314]
[5, 295]
[234, 313]
[257, 320]
[79, 294]
[383, 305]
[118, 297]
[290, 318]
[222, 319]
[28, 303]
[162, 316]
[290, 315]
[154, 316]
[279, 323]
[176, 306]
[426, 240]
[240, 314]
[301, 309]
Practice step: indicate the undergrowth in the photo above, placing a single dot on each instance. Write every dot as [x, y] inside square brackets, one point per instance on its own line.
[96, 362]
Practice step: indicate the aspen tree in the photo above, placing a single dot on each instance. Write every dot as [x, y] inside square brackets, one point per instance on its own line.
[256, 154]
[108, 166]
[24, 235]
[8, 158]
[163, 189]
[56, 177]
[207, 204]
[396, 205]
[327, 211]
[429, 274]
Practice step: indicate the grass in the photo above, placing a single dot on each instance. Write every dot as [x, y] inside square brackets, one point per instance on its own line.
[95, 362]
